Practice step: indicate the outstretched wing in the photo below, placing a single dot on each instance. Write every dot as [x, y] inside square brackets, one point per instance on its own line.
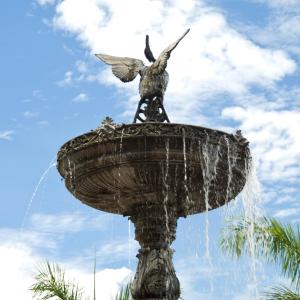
[124, 68]
[159, 66]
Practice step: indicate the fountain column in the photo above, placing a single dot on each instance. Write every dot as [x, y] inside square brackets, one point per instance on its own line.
[155, 230]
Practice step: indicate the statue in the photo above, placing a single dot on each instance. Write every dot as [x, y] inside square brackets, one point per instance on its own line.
[153, 82]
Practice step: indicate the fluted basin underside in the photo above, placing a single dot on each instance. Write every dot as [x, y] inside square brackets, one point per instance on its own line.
[154, 173]
[118, 168]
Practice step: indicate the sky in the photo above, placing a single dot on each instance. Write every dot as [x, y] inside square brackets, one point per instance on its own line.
[238, 68]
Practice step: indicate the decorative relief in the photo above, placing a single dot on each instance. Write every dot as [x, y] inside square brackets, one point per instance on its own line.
[155, 277]
[112, 131]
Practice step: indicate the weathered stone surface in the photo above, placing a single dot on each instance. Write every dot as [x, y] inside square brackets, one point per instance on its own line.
[126, 167]
[155, 230]
[154, 173]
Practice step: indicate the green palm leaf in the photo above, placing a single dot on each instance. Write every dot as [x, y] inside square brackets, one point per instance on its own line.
[273, 241]
[51, 282]
[281, 293]
[124, 293]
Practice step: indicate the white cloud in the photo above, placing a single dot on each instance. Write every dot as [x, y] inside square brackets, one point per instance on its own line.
[287, 212]
[44, 123]
[68, 50]
[283, 26]
[67, 223]
[6, 135]
[282, 32]
[118, 250]
[46, 2]
[246, 294]
[213, 59]
[108, 281]
[81, 66]
[29, 237]
[201, 280]
[26, 100]
[280, 4]
[68, 79]
[82, 97]
[275, 140]
[38, 95]
[30, 114]
[19, 263]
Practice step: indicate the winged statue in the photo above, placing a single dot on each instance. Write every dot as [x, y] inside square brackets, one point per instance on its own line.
[153, 82]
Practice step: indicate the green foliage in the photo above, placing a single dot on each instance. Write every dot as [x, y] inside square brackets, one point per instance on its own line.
[281, 293]
[51, 282]
[235, 236]
[275, 242]
[124, 293]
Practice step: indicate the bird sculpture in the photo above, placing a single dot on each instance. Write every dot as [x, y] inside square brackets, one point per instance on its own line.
[153, 82]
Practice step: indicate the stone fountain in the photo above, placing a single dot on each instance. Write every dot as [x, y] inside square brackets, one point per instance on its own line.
[154, 172]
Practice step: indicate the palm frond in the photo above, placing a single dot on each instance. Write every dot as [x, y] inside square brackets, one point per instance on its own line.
[281, 293]
[235, 236]
[124, 293]
[51, 282]
[285, 249]
[273, 241]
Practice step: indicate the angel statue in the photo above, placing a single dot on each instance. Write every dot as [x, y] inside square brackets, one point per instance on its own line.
[153, 82]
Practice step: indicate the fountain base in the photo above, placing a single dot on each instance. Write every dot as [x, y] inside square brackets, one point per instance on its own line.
[155, 230]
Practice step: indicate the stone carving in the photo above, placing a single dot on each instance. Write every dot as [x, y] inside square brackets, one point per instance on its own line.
[153, 82]
[127, 164]
[240, 139]
[104, 132]
[155, 277]
[109, 130]
[154, 173]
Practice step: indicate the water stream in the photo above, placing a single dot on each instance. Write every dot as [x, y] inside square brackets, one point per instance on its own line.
[228, 189]
[166, 187]
[41, 180]
[129, 243]
[251, 200]
[187, 200]
[72, 175]
[119, 169]
[208, 166]
[250, 209]
[119, 197]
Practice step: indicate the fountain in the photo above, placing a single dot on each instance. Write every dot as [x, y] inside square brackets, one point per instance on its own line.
[154, 172]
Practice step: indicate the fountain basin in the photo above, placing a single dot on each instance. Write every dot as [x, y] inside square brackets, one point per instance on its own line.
[120, 167]
[154, 173]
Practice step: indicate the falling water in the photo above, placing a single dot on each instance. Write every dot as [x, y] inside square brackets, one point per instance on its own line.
[207, 179]
[71, 173]
[206, 185]
[119, 196]
[119, 169]
[166, 185]
[228, 189]
[187, 200]
[251, 199]
[42, 178]
[129, 242]
[252, 212]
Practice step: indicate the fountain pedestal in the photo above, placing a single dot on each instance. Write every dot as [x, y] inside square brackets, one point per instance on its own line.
[155, 230]
[154, 173]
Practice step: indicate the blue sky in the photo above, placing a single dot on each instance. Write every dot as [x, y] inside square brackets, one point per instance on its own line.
[238, 68]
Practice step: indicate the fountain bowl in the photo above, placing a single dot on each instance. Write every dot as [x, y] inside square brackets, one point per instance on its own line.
[116, 168]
